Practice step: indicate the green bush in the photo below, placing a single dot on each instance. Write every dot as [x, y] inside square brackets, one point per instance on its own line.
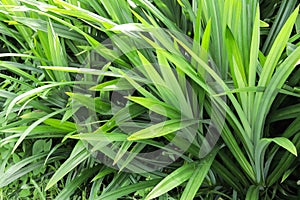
[140, 99]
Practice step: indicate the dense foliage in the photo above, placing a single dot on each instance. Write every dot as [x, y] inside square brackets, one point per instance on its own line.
[145, 99]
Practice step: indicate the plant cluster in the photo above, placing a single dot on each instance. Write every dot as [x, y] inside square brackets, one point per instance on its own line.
[149, 99]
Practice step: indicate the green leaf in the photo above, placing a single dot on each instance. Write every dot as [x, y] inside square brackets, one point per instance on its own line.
[284, 143]
[287, 174]
[198, 176]
[79, 154]
[14, 172]
[17, 69]
[101, 137]
[277, 49]
[277, 81]
[157, 106]
[161, 129]
[261, 148]
[103, 173]
[30, 93]
[113, 85]
[253, 63]
[33, 126]
[263, 24]
[72, 186]
[56, 123]
[252, 193]
[173, 180]
[149, 6]
[38, 147]
[126, 190]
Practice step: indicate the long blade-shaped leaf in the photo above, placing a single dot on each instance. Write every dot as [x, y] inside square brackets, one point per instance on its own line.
[161, 129]
[173, 180]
